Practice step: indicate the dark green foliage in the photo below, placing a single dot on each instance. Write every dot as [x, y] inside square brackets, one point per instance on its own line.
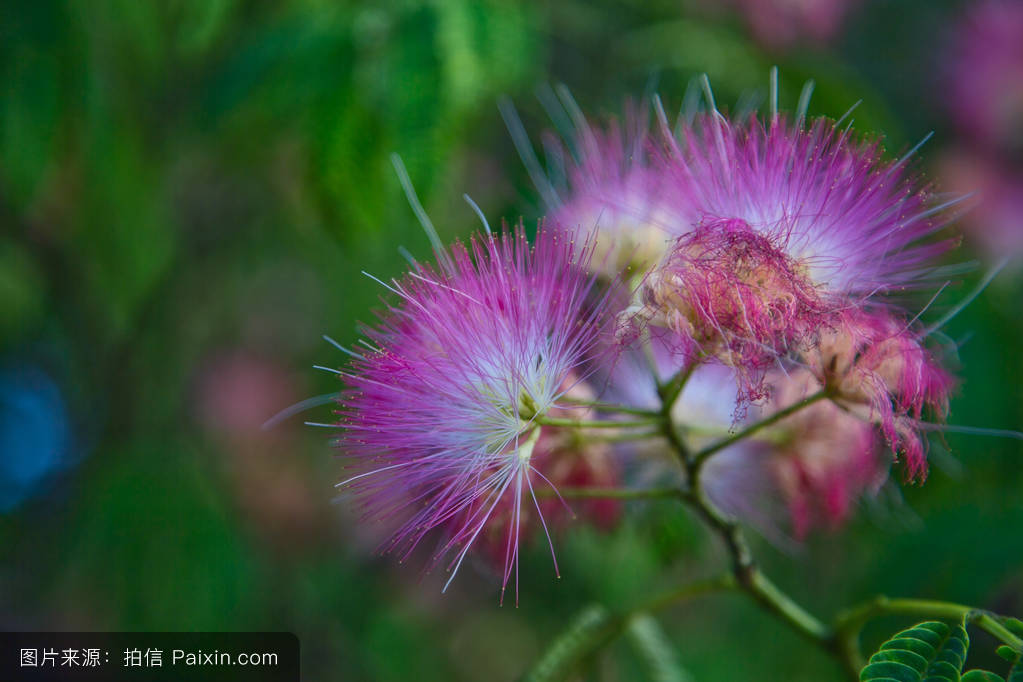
[935, 652]
[931, 652]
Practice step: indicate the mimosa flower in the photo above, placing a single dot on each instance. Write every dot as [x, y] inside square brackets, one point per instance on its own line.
[786, 227]
[440, 416]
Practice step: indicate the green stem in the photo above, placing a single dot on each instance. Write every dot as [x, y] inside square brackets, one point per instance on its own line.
[849, 623]
[609, 407]
[699, 588]
[990, 624]
[748, 575]
[584, 424]
[775, 600]
[672, 388]
[612, 493]
[700, 457]
[626, 437]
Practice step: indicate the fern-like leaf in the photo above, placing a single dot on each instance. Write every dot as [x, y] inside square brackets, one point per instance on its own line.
[656, 650]
[586, 634]
[928, 652]
[981, 676]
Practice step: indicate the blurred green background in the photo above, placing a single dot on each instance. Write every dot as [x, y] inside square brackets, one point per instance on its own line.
[189, 190]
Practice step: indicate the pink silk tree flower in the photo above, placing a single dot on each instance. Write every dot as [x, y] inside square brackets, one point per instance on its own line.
[564, 460]
[877, 365]
[563, 457]
[439, 416]
[985, 72]
[823, 458]
[803, 473]
[602, 179]
[786, 226]
[614, 190]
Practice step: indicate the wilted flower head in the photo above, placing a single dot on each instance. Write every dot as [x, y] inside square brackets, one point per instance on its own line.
[805, 472]
[878, 364]
[985, 72]
[439, 415]
[728, 292]
[822, 458]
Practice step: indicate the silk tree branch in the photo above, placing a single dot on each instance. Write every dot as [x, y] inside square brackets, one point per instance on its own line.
[613, 493]
[584, 424]
[703, 455]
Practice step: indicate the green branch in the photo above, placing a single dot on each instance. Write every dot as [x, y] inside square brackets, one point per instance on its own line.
[721, 583]
[595, 628]
[700, 457]
[611, 493]
[670, 390]
[626, 437]
[609, 407]
[842, 639]
[584, 424]
[747, 575]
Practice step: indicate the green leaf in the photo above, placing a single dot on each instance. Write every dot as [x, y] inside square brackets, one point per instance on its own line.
[982, 676]
[586, 634]
[931, 652]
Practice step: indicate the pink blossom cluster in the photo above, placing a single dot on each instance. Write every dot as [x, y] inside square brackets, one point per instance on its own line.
[784, 252]
[767, 263]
